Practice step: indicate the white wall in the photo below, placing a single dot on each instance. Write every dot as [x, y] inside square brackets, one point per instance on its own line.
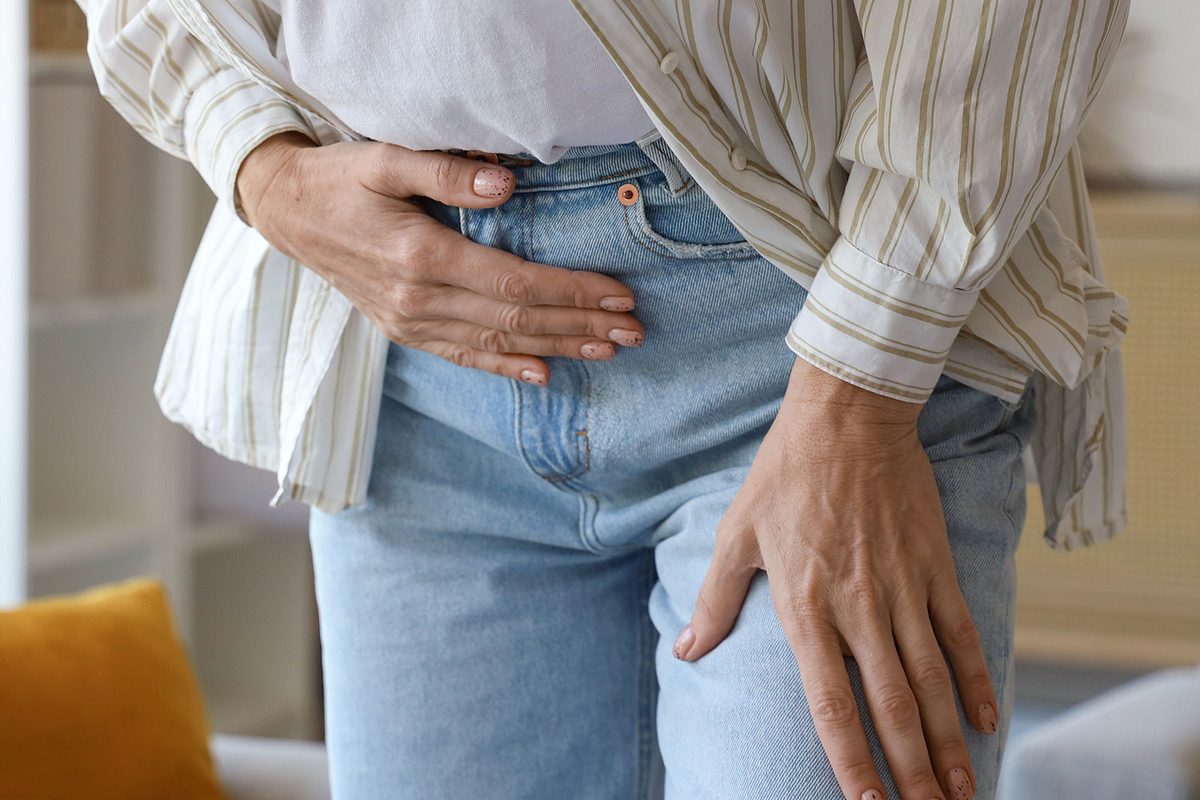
[13, 298]
[1145, 122]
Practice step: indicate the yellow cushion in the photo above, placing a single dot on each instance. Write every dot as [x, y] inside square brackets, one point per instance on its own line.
[98, 701]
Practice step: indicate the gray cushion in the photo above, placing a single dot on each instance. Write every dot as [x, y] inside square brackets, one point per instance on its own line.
[1141, 741]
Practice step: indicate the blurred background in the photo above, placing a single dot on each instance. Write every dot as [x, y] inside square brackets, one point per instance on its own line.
[105, 488]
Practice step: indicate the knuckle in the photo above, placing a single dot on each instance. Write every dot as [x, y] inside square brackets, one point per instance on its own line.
[979, 685]
[579, 295]
[492, 341]
[460, 355]
[961, 633]
[930, 674]
[413, 253]
[517, 319]
[834, 708]
[857, 769]
[394, 332]
[805, 611]
[950, 752]
[705, 608]
[443, 172]
[920, 782]
[862, 594]
[410, 329]
[896, 707]
[409, 302]
[512, 286]
[381, 160]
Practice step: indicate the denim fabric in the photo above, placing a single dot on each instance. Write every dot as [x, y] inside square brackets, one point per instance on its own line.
[497, 621]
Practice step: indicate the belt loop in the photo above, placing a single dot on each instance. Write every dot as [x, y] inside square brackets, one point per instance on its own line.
[657, 150]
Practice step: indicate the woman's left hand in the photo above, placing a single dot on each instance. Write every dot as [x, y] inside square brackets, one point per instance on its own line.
[841, 510]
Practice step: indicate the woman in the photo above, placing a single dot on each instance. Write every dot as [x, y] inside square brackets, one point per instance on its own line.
[560, 422]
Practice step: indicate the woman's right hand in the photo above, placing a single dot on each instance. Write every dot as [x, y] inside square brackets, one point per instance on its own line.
[348, 211]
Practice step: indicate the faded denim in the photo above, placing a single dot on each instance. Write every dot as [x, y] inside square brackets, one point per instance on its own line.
[497, 621]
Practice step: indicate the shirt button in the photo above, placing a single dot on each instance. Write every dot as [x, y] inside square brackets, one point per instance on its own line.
[737, 158]
[669, 63]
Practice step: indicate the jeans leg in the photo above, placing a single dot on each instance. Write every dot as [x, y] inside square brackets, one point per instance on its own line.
[735, 723]
[472, 648]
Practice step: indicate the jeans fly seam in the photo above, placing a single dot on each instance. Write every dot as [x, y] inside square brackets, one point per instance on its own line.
[589, 507]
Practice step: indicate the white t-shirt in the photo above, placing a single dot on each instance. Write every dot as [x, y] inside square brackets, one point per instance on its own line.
[506, 77]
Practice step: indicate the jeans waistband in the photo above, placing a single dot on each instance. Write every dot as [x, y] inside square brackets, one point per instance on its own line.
[591, 165]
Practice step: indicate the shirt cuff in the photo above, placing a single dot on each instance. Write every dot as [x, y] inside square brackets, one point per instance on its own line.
[878, 327]
[227, 117]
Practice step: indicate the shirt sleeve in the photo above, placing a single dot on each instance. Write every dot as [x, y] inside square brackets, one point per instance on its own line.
[178, 94]
[962, 114]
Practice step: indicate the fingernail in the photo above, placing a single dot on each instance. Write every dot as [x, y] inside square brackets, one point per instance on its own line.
[960, 784]
[625, 336]
[492, 182]
[871, 794]
[597, 350]
[987, 717]
[684, 643]
[532, 376]
[616, 303]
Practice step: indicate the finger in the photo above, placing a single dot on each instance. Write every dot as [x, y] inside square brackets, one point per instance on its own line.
[929, 678]
[518, 367]
[956, 631]
[453, 180]
[892, 704]
[504, 276]
[721, 596]
[490, 340]
[452, 302]
[830, 698]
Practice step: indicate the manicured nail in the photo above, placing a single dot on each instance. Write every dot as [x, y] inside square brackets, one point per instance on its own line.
[492, 182]
[684, 643]
[871, 794]
[598, 350]
[616, 303]
[533, 376]
[987, 717]
[960, 784]
[625, 336]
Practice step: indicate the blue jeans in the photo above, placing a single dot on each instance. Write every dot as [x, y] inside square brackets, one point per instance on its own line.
[497, 621]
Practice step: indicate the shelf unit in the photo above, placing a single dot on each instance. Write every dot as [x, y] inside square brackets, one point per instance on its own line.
[114, 490]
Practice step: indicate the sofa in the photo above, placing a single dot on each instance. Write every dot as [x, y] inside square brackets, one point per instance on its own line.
[251, 768]
[1140, 741]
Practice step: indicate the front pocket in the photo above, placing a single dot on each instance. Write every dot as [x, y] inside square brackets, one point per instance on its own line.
[687, 225]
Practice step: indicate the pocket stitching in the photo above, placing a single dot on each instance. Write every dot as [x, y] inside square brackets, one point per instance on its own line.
[645, 235]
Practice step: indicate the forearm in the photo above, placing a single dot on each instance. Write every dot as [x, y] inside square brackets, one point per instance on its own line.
[177, 93]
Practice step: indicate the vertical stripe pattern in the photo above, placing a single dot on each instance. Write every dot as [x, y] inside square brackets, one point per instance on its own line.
[913, 163]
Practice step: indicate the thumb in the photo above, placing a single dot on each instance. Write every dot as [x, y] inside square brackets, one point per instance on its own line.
[718, 604]
[453, 180]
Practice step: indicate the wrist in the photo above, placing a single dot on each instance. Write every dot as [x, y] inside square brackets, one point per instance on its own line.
[264, 168]
[812, 392]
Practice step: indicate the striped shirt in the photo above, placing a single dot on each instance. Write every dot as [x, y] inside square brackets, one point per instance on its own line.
[912, 163]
